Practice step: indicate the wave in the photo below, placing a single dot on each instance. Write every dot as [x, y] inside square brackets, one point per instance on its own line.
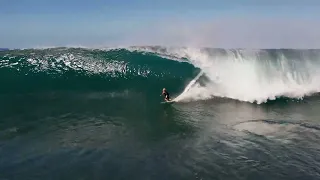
[189, 73]
[251, 75]
[90, 69]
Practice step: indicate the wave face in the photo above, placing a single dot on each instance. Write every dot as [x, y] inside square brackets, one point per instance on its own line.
[193, 74]
[77, 69]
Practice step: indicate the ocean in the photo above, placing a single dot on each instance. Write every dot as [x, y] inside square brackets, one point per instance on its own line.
[82, 113]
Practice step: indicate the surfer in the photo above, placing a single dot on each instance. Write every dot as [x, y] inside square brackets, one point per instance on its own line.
[166, 94]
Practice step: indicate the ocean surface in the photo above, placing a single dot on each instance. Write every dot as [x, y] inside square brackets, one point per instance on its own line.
[80, 113]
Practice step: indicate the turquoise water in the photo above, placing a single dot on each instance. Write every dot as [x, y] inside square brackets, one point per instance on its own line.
[72, 113]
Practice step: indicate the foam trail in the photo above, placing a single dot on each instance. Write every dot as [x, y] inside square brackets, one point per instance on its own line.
[181, 96]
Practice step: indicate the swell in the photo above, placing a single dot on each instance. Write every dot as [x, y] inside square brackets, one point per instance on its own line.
[301, 123]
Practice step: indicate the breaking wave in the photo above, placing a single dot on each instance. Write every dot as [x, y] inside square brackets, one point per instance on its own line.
[190, 74]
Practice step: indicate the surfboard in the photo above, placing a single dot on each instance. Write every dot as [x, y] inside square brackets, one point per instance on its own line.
[168, 102]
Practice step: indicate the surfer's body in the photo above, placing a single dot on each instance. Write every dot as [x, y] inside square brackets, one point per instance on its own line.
[166, 94]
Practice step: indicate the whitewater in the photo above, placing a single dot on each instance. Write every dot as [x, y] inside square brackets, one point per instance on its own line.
[249, 75]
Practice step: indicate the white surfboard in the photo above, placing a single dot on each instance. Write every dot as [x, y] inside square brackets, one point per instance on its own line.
[168, 102]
